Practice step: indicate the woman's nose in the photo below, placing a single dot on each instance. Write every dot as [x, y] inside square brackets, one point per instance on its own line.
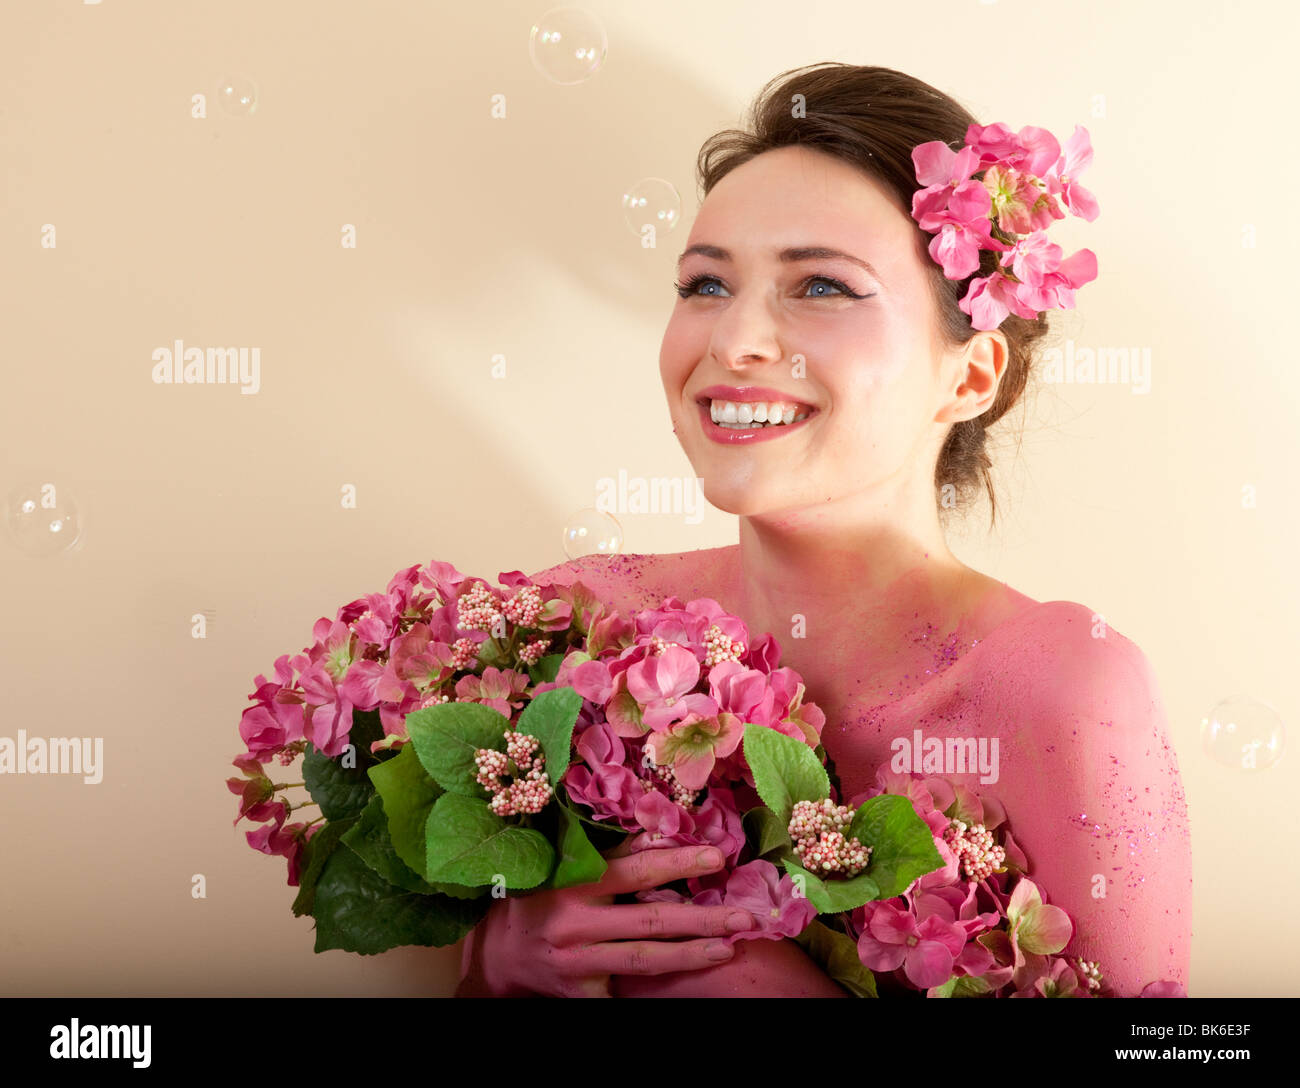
[746, 333]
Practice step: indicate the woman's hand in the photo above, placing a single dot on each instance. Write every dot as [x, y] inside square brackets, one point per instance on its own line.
[568, 942]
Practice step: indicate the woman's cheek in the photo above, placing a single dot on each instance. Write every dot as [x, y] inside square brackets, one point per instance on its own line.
[676, 357]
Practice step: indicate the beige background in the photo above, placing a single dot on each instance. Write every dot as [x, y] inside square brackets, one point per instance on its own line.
[480, 236]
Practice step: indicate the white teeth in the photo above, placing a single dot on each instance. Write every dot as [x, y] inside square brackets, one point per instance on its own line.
[742, 415]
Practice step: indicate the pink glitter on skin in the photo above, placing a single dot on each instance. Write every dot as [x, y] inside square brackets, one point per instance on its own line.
[1035, 680]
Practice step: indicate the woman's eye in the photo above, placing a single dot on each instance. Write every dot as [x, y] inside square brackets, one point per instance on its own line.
[691, 286]
[820, 286]
[817, 281]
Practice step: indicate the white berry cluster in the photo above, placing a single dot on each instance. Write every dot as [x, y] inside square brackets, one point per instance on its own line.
[529, 791]
[477, 609]
[664, 776]
[1091, 972]
[817, 828]
[720, 647]
[534, 651]
[524, 607]
[980, 858]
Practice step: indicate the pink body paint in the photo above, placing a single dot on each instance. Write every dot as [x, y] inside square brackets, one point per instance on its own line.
[1085, 770]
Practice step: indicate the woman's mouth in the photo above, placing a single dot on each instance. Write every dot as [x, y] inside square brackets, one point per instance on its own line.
[732, 421]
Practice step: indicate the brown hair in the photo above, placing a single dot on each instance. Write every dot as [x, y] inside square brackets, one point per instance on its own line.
[872, 118]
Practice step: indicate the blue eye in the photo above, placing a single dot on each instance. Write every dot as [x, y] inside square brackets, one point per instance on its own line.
[692, 286]
[689, 287]
[834, 283]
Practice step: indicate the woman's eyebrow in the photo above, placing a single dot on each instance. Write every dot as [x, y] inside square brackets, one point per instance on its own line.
[787, 255]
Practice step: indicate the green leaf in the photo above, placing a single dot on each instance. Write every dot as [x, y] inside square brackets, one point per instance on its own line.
[340, 791]
[447, 735]
[367, 727]
[315, 853]
[368, 839]
[768, 832]
[459, 891]
[837, 954]
[963, 986]
[357, 910]
[833, 895]
[408, 794]
[550, 718]
[785, 770]
[902, 847]
[580, 862]
[470, 844]
[546, 669]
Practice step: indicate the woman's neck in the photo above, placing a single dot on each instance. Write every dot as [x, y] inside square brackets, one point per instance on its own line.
[850, 587]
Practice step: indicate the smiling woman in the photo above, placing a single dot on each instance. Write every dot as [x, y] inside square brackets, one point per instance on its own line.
[832, 382]
[847, 161]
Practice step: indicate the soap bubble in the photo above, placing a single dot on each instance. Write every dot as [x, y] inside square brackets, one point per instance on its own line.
[567, 45]
[592, 532]
[653, 201]
[1244, 733]
[42, 519]
[237, 95]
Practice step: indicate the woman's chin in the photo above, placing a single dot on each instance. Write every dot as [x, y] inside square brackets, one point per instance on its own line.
[737, 499]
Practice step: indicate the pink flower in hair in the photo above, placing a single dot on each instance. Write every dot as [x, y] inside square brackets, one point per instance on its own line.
[990, 298]
[1062, 179]
[1023, 174]
[958, 243]
[1019, 202]
[1032, 150]
[1050, 284]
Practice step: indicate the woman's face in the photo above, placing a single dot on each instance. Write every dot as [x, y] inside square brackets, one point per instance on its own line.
[855, 348]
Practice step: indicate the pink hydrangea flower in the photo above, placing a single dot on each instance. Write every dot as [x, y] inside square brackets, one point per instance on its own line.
[501, 689]
[286, 841]
[663, 685]
[602, 781]
[893, 938]
[1055, 977]
[1035, 926]
[771, 897]
[693, 745]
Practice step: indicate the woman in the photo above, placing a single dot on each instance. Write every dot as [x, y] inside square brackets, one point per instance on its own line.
[806, 287]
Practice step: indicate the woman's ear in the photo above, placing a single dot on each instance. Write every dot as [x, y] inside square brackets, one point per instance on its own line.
[980, 365]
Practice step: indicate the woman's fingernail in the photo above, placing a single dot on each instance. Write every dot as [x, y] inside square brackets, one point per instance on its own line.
[739, 921]
[718, 951]
[708, 857]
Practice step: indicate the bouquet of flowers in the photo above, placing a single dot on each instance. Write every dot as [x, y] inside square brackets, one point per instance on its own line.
[465, 741]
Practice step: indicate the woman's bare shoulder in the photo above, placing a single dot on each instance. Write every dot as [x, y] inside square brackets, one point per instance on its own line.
[641, 580]
[1077, 666]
